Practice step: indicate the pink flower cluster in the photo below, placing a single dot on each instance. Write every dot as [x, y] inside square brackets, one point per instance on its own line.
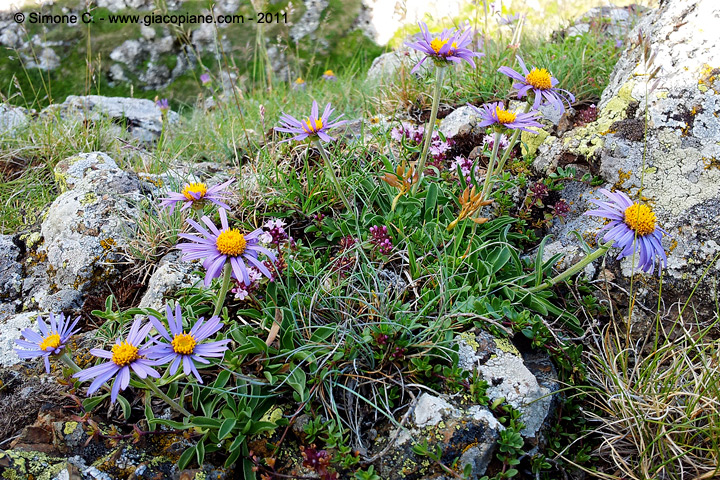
[381, 239]
[276, 235]
[414, 135]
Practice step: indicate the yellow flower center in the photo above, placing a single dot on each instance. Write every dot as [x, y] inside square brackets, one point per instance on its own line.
[640, 218]
[124, 354]
[311, 128]
[504, 116]
[231, 242]
[184, 343]
[329, 73]
[51, 342]
[540, 79]
[191, 188]
[437, 44]
[299, 81]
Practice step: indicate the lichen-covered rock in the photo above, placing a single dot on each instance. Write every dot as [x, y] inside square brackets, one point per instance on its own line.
[613, 22]
[673, 163]
[142, 118]
[10, 269]
[502, 365]
[467, 434]
[11, 118]
[171, 275]
[386, 67]
[83, 232]
[460, 119]
[10, 330]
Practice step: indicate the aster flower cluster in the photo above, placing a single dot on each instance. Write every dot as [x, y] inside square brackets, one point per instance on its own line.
[139, 355]
[380, 239]
[195, 195]
[450, 46]
[414, 135]
[632, 227]
[49, 340]
[313, 127]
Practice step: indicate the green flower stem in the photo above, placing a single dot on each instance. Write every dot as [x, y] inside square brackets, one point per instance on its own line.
[506, 154]
[65, 358]
[173, 404]
[491, 163]
[331, 171]
[602, 249]
[439, 74]
[227, 272]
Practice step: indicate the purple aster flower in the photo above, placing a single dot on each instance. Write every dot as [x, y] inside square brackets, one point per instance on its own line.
[220, 246]
[205, 79]
[633, 228]
[496, 115]
[194, 194]
[449, 46]
[163, 105]
[50, 341]
[186, 348]
[542, 83]
[314, 126]
[329, 75]
[124, 355]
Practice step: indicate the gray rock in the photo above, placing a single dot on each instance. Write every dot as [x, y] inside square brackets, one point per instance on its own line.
[171, 275]
[613, 22]
[466, 434]
[460, 118]
[385, 67]
[674, 165]
[10, 330]
[501, 364]
[84, 232]
[11, 269]
[46, 60]
[11, 118]
[310, 21]
[143, 118]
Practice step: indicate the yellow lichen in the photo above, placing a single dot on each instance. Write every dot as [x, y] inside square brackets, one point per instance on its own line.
[469, 338]
[69, 427]
[504, 345]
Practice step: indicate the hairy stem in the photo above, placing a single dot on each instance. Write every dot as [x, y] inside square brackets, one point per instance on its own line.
[333, 177]
[602, 249]
[439, 74]
[172, 403]
[227, 272]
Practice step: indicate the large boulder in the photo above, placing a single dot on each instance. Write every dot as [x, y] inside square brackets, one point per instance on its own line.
[666, 154]
[84, 232]
[141, 117]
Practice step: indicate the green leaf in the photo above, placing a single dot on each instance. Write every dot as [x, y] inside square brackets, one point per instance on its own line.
[222, 379]
[297, 380]
[237, 443]
[205, 422]
[90, 403]
[232, 458]
[431, 202]
[149, 413]
[186, 457]
[539, 262]
[200, 451]
[125, 406]
[226, 428]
